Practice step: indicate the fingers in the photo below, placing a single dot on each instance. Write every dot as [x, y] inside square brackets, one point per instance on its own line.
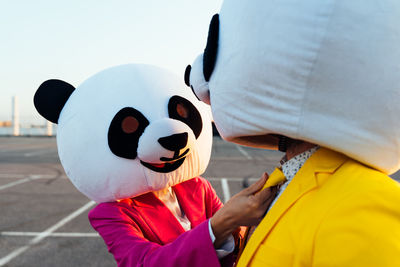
[257, 185]
[266, 195]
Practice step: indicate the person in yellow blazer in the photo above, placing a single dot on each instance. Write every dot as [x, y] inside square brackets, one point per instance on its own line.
[335, 212]
[319, 80]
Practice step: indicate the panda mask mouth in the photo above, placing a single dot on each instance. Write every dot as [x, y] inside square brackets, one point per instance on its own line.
[165, 166]
[178, 143]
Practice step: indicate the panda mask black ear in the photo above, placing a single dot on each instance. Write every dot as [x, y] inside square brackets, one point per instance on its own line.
[210, 52]
[51, 97]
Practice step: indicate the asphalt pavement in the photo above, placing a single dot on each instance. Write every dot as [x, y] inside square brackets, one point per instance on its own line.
[43, 219]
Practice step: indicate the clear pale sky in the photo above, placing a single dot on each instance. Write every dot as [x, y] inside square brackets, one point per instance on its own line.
[71, 40]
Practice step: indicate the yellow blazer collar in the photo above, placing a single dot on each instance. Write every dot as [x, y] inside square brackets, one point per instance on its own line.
[323, 160]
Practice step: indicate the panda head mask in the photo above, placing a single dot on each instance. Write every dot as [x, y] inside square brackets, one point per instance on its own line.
[325, 72]
[127, 130]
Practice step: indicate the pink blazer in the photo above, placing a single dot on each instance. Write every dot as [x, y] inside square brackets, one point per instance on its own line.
[143, 232]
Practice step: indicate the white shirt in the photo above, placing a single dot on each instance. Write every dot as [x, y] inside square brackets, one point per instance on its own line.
[290, 169]
[168, 197]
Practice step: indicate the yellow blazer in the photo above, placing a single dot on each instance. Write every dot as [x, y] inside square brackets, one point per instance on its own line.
[335, 212]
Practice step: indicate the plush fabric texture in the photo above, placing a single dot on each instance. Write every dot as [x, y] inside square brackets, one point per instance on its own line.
[335, 212]
[110, 126]
[124, 142]
[186, 76]
[136, 236]
[198, 82]
[183, 110]
[51, 97]
[210, 52]
[327, 72]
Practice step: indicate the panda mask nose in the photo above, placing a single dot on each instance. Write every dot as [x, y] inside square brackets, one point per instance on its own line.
[165, 140]
[174, 142]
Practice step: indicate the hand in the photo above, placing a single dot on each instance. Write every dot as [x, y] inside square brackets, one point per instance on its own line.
[246, 208]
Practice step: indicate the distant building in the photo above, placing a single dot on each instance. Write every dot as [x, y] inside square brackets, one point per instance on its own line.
[5, 123]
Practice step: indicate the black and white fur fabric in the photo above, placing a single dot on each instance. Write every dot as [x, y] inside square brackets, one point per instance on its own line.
[127, 130]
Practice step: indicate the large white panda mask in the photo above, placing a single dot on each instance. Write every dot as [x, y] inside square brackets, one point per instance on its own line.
[127, 130]
[326, 72]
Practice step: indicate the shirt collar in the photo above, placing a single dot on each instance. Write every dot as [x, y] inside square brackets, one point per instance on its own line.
[292, 166]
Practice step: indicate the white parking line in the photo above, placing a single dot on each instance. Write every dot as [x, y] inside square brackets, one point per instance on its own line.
[37, 176]
[36, 153]
[11, 175]
[247, 155]
[45, 234]
[50, 235]
[231, 179]
[225, 189]
[29, 178]
[34, 176]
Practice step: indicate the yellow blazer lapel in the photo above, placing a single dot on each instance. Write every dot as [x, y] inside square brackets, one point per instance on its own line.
[323, 160]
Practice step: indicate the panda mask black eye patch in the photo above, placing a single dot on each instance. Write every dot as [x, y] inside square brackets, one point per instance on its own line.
[124, 132]
[183, 110]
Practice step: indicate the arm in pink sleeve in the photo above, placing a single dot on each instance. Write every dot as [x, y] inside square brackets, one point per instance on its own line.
[126, 242]
[215, 204]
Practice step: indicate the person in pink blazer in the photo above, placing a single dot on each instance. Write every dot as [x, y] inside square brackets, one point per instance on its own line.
[142, 231]
[134, 139]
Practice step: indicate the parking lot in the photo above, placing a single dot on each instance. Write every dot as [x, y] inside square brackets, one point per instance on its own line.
[43, 219]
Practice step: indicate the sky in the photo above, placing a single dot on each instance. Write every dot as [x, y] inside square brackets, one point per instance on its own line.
[72, 40]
